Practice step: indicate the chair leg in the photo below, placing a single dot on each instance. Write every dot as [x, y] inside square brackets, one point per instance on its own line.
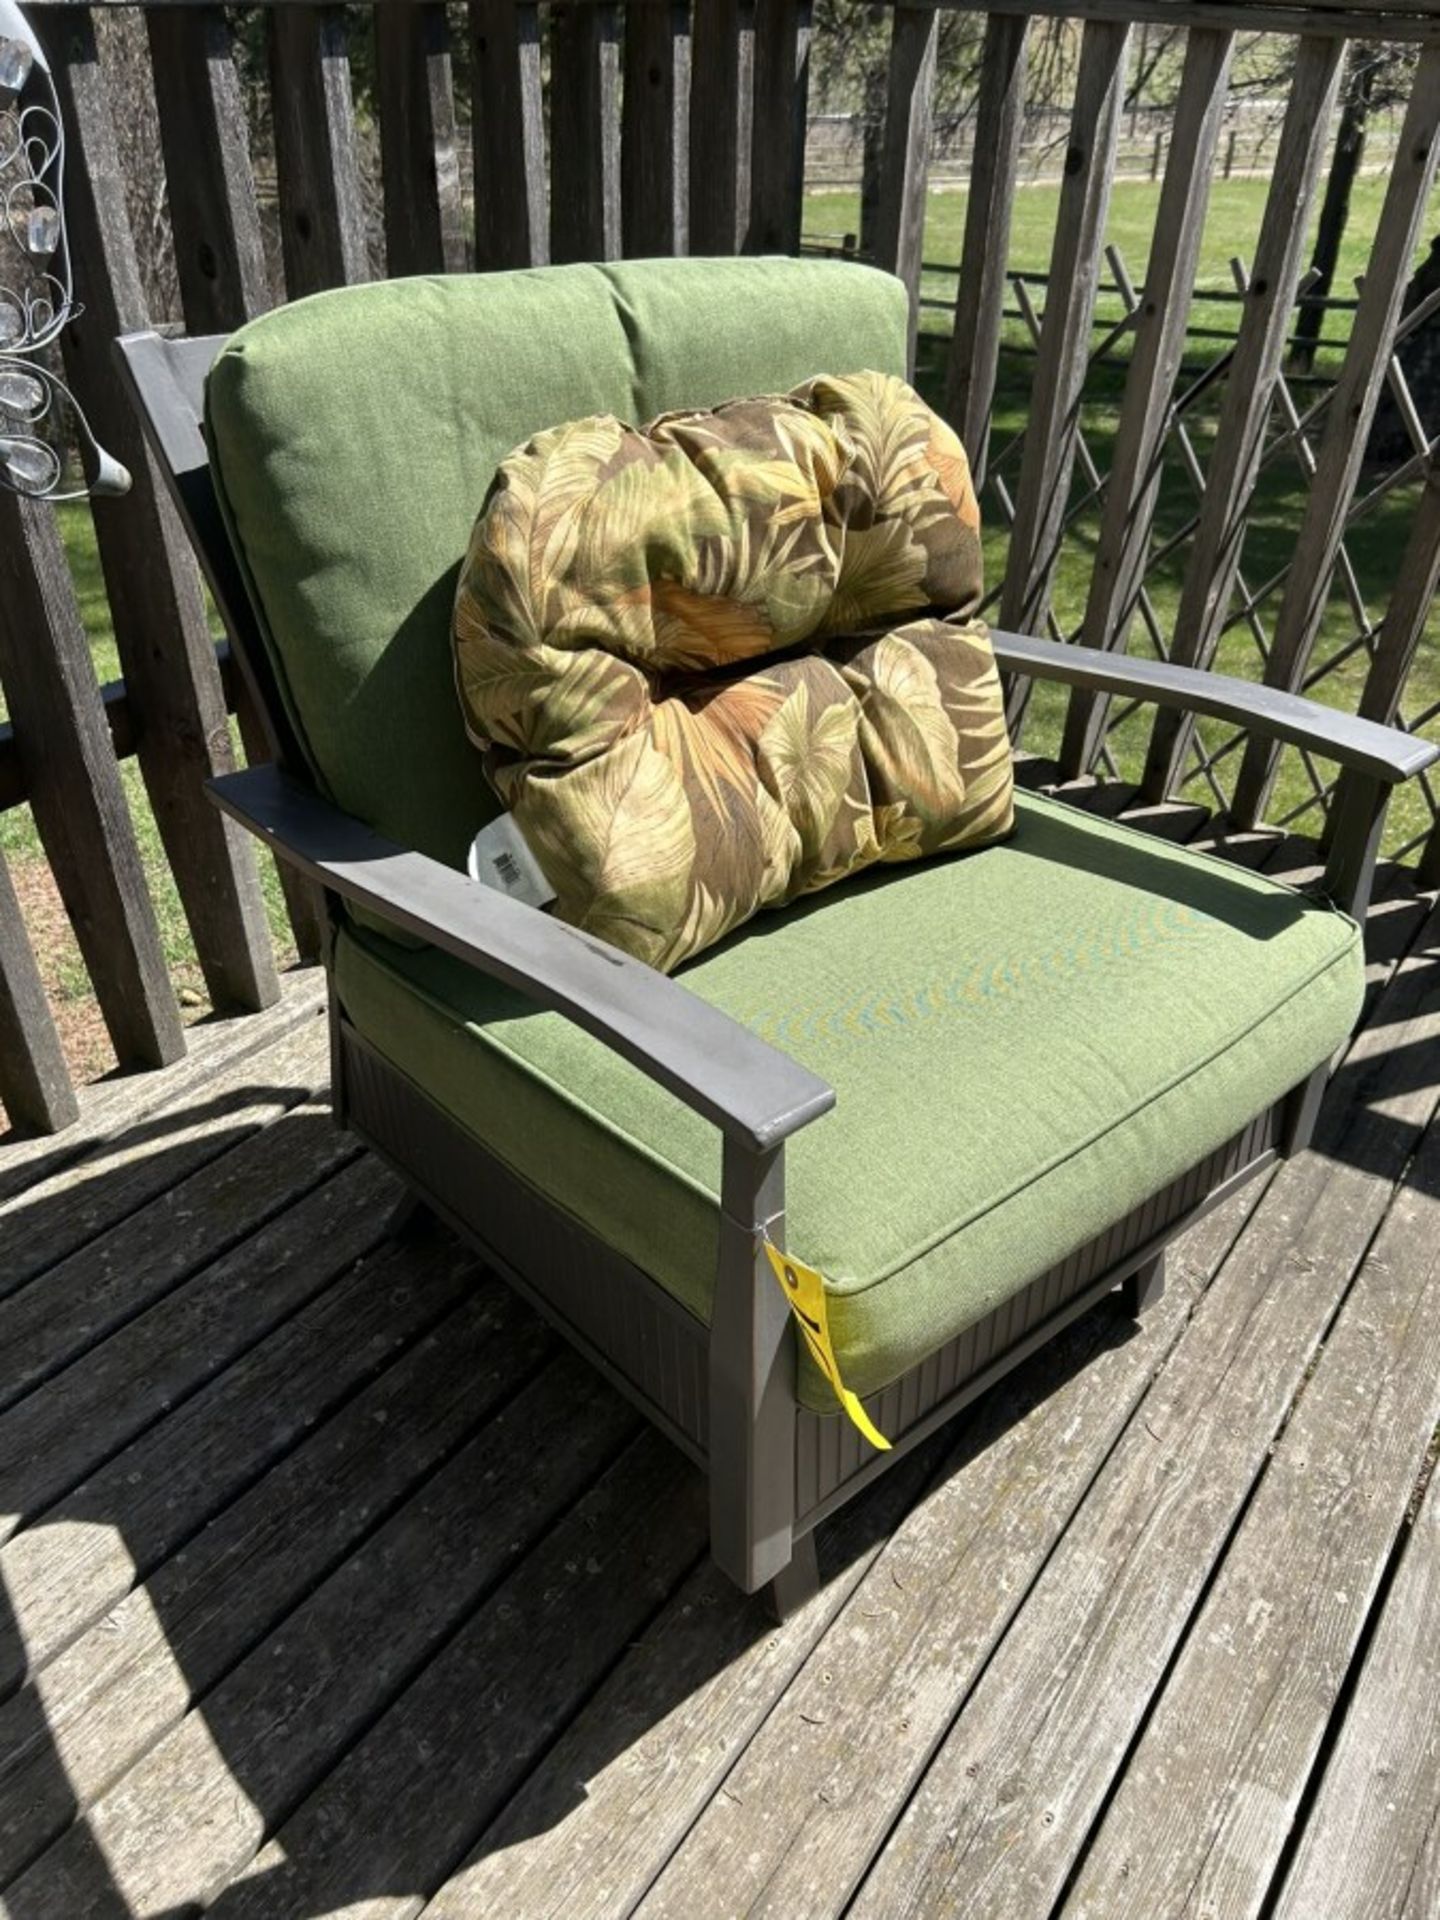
[409, 1217]
[797, 1582]
[1144, 1287]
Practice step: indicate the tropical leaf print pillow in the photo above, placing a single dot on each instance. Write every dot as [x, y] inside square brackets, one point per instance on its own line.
[732, 657]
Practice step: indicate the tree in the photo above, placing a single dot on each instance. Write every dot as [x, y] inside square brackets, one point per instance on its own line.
[1377, 77]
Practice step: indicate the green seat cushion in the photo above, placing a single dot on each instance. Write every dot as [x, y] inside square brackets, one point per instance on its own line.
[354, 436]
[1025, 1042]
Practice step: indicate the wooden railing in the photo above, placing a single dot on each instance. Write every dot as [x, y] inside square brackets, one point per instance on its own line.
[679, 127]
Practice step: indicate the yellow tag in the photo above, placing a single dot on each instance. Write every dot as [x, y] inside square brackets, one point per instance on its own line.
[804, 1288]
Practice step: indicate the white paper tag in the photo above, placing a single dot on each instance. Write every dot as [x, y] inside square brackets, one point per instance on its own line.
[500, 858]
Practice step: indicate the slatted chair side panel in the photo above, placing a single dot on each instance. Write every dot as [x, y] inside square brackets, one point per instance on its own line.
[974, 354]
[152, 582]
[1132, 488]
[1250, 385]
[777, 158]
[508, 135]
[585, 110]
[905, 150]
[419, 156]
[1349, 417]
[317, 168]
[1048, 453]
[655, 129]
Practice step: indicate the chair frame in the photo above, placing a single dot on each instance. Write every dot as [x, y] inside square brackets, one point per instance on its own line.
[725, 1392]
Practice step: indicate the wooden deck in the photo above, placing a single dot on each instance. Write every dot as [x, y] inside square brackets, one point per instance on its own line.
[331, 1583]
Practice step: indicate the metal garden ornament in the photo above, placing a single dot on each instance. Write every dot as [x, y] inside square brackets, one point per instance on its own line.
[36, 293]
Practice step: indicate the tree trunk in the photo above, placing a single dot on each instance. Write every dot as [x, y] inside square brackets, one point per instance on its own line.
[1335, 209]
[870, 172]
[1419, 357]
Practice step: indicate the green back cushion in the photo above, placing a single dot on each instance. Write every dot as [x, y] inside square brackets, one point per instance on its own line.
[354, 436]
[618, 583]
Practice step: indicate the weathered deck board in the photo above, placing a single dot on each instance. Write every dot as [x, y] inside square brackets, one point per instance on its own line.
[82, 1197]
[148, 1500]
[1371, 1849]
[106, 1283]
[651, 1748]
[612, 1561]
[175, 1828]
[114, 1110]
[1210, 1793]
[336, 1584]
[135, 1673]
[50, 1440]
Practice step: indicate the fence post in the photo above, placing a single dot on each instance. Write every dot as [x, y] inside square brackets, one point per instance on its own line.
[1249, 388]
[1347, 425]
[167, 654]
[1132, 489]
[73, 780]
[1063, 355]
[34, 1079]
[905, 154]
[721, 125]
[984, 255]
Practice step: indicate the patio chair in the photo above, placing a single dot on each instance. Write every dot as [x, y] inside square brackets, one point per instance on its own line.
[977, 1093]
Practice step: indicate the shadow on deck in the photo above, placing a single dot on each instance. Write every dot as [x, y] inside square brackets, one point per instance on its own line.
[332, 1581]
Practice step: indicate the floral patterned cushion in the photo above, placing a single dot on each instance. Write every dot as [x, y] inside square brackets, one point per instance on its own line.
[732, 657]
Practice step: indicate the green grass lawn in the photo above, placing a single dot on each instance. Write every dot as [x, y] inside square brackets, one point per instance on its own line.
[1375, 547]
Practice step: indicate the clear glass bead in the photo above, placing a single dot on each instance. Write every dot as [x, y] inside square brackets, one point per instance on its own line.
[42, 230]
[16, 60]
[29, 465]
[20, 393]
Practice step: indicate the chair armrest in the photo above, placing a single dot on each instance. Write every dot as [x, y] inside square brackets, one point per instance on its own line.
[1363, 746]
[755, 1094]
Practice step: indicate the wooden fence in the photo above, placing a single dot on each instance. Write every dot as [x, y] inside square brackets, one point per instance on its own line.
[664, 126]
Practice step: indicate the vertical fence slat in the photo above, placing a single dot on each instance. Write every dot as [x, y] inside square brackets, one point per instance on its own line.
[905, 153]
[219, 247]
[985, 251]
[1249, 388]
[655, 145]
[219, 250]
[1132, 486]
[1348, 420]
[151, 578]
[419, 163]
[585, 105]
[34, 1079]
[777, 156]
[1049, 450]
[322, 211]
[304, 902]
[74, 785]
[721, 122]
[1411, 603]
[508, 125]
